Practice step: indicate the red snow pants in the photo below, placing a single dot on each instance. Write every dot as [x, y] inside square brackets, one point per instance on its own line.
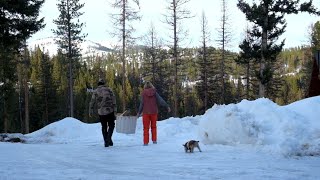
[149, 119]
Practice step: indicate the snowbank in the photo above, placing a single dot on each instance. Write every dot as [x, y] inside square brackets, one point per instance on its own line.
[291, 130]
[67, 130]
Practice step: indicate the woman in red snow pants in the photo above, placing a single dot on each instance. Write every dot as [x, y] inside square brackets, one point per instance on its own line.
[149, 101]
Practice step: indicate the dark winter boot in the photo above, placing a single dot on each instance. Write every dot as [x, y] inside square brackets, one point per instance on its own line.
[105, 137]
[109, 136]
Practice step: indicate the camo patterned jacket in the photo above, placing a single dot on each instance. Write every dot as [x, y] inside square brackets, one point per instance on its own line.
[104, 99]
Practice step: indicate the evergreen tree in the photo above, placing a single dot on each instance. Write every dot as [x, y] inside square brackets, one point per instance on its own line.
[60, 84]
[134, 79]
[224, 40]
[205, 64]
[44, 92]
[315, 36]
[176, 14]
[151, 54]
[124, 30]
[306, 71]
[273, 87]
[80, 84]
[269, 24]
[18, 21]
[23, 76]
[69, 37]
[249, 50]
[187, 92]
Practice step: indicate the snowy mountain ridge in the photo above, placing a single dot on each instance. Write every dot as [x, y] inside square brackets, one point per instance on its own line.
[88, 47]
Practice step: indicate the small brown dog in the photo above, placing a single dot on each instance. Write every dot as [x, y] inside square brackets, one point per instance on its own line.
[190, 145]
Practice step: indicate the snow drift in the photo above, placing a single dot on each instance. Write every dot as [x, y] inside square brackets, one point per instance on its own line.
[291, 130]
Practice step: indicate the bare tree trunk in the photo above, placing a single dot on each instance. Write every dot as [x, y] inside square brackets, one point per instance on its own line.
[26, 104]
[20, 74]
[46, 114]
[153, 54]
[70, 61]
[121, 21]
[25, 90]
[176, 14]
[5, 116]
[247, 80]
[264, 44]
[175, 57]
[225, 39]
[123, 55]
[205, 59]
[223, 51]
[205, 77]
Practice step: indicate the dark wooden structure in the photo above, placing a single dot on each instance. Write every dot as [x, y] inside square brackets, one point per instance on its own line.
[314, 88]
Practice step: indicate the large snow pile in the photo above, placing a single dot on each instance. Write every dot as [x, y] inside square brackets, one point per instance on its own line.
[68, 130]
[291, 130]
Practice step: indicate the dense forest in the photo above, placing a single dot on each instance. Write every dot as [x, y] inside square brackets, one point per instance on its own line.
[38, 89]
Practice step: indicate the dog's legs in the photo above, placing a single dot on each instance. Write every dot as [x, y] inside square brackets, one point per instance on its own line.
[199, 148]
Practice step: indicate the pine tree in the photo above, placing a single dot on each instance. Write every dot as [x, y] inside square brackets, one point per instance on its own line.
[314, 86]
[273, 87]
[269, 24]
[23, 73]
[44, 90]
[315, 36]
[134, 79]
[204, 63]
[224, 40]
[60, 84]
[306, 71]
[80, 84]
[176, 14]
[189, 71]
[124, 31]
[69, 37]
[18, 21]
[151, 55]
[247, 57]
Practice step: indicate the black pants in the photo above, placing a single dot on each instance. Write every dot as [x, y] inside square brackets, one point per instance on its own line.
[107, 123]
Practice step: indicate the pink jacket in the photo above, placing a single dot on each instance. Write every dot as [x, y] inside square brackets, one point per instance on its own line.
[149, 101]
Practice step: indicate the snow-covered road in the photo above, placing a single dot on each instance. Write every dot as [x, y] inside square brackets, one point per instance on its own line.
[160, 161]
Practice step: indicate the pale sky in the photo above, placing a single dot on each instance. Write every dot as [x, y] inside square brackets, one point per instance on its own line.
[98, 24]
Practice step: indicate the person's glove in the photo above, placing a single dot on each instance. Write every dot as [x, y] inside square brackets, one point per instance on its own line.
[114, 115]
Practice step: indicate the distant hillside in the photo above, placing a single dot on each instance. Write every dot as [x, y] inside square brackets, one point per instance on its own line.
[88, 47]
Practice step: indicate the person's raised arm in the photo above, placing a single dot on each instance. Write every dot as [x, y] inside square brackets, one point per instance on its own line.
[140, 106]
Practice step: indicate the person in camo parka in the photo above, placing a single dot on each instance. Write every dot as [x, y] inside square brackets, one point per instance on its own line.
[105, 101]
